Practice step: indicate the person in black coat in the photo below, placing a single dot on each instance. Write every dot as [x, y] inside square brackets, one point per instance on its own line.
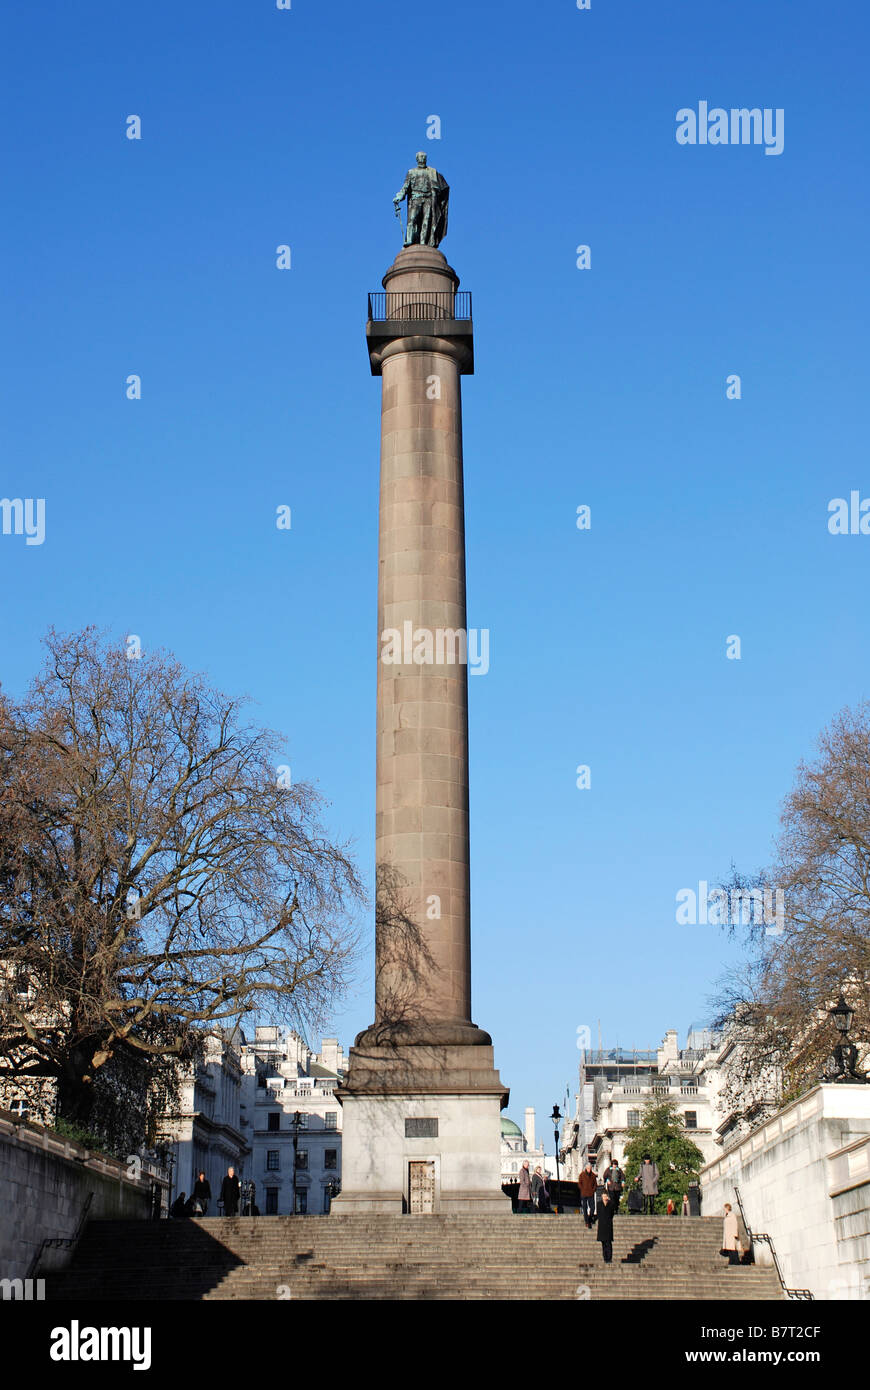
[230, 1191]
[201, 1194]
[604, 1233]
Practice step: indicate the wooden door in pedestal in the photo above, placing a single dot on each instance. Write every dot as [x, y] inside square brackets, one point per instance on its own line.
[422, 1186]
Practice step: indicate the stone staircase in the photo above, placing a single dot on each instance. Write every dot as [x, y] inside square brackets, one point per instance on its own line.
[405, 1257]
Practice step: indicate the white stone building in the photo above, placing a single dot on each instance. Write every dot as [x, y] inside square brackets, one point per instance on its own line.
[293, 1121]
[616, 1085]
[207, 1131]
[517, 1145]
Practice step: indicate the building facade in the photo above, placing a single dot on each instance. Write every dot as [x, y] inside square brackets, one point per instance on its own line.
[292, 1121]
[617, 1085]
[206, 1133]
[517, 1145]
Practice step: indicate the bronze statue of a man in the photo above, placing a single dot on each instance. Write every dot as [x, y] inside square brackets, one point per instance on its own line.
[427, 192]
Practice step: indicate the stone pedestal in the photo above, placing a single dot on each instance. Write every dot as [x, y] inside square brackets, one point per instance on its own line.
[423, 1059]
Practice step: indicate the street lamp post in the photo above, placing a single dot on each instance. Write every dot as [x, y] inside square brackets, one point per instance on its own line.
[297, 1120]
[557, 1120]
[845, 1053]
[170, 1158]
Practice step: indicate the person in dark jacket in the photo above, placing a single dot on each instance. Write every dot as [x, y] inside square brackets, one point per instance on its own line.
[537, 1184]
[201, 1195]
[587, 1183]
[605, 1227]
[541, 1189]
[648, 1177]
[179, 1207]
[614, 1181]
[230, 1190]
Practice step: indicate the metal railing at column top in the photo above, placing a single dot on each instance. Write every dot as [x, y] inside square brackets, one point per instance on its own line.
[404, 306]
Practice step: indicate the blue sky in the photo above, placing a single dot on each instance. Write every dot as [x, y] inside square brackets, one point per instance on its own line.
[606, 387]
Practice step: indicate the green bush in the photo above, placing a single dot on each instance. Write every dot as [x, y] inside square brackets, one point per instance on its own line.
[78, 1135]
[663, 1136]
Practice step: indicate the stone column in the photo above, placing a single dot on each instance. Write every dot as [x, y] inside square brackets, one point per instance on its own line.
[423, 1050]
[424, 974]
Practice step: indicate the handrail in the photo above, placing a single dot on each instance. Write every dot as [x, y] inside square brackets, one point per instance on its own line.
[61, 1242]
[764, 1239]
[404, 306]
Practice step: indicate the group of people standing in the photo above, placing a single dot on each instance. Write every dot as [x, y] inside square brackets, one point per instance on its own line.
[197, 1203]
[613, 1178]
[641, 1198]
[533, 1193]
[644, 1193]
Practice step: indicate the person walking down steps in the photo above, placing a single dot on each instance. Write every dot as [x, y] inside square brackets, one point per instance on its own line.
[587, 1183]
[604, 1234]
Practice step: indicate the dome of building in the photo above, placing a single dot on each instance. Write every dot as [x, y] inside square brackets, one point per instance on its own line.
[509, 1130]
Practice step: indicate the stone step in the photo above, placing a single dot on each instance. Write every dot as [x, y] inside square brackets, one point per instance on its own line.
[370, 1256]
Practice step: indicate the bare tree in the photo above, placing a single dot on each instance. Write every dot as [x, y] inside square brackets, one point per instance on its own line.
[779, 1000]
[158, 873]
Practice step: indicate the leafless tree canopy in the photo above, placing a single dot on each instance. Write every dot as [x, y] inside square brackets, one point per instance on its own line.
[791, 979]
[155, 876]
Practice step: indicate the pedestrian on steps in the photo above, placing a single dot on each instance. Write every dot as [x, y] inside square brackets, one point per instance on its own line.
[587, 1183]
[179, 1207]
[542, 1193]
[524, 1192]
[230, 1191]
[537, 1184]
[730, 1235]
[684, 1209]
[648, 1177]
[604, 1234]
[201, 1196]
[614, 1181]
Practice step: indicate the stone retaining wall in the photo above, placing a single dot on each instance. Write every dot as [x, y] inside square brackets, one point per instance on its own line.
[44, 1183]
[804, 1180]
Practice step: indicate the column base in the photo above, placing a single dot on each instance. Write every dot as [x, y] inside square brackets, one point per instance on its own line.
[421, 1132]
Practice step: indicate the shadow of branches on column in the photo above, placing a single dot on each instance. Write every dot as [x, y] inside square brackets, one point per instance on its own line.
[404, 962]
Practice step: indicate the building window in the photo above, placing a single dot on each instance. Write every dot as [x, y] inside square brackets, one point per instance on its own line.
[274, 1119]
[19, 1107]
[302, 1120]
[271, 1201]
[330, 1158]
[302, 1158]
[273, 1160]
[302, 1203]
[633, 1119]
[691, 1118]
[331, 1119]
